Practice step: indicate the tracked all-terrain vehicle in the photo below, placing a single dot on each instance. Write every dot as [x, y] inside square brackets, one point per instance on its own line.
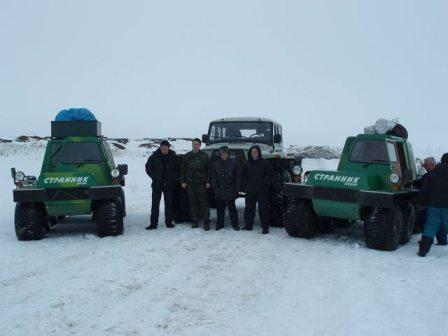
[78, 177]
[239, 134]
[372, 184]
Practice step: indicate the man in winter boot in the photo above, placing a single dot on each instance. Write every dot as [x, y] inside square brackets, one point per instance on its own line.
[226, 186]
[434, 192]
[195, 177]
[163, 168]
[256, 177]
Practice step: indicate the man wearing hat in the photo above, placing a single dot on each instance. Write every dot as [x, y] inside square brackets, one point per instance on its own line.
[226, 185]
[164, 169]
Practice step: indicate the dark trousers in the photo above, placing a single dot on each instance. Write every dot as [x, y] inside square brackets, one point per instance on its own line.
[168, 200]
[263, 210]
[441, 236]
[220, 211]
[198, 202]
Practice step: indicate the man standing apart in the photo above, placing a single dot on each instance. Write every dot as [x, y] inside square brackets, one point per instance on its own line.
[256, 178]
[429, 164]
[163, 168]
[195, 177]
[226, 186]
[434, 192]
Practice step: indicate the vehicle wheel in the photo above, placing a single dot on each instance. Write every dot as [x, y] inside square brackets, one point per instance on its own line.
[277, 200]
[123, 202]
[29, 221]
[341, 223]
[300, 219]
[399, 130]
[409, 219]
[109, 219]
[382, 229]
[325, 224]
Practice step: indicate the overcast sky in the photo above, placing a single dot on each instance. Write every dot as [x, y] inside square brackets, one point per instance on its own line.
[324, 69]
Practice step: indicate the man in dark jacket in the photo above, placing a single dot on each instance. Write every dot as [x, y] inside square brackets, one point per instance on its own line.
[195, 177]
[434, 192]
[226, 186]
[256, 177]
[429, 164]
[163, 168]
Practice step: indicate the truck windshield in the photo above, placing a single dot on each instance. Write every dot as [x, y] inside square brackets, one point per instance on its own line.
[244, 131]
[81, 152]
[369, 151]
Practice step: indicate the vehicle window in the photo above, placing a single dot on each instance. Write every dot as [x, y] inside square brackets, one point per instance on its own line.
[369, 151]
[55, 153]
[109, 156]
[81, 152]
[392, 152]
[241, 131]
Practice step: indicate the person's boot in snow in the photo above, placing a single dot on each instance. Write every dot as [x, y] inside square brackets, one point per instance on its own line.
[247, 228]
[236, 227]
[265, 231]
[170, 226]
[219, 227]
[424, 246]
[207, 225]
[194, 225]
[151, 227]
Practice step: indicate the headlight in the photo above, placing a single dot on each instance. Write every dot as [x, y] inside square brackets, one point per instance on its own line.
[115, 172]
[20, 176]
[394, 178]
[297, 170]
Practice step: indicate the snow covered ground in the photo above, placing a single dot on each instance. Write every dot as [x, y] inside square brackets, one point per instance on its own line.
[190, 282]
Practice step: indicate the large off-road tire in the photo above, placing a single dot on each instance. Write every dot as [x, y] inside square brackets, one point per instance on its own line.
[30, 221]
[383, 228]
[341, 223]
[109, 219]
[326, 224]
[400, 131]
[123, 203]
[300, 219]
[409, 220]
[277, 200]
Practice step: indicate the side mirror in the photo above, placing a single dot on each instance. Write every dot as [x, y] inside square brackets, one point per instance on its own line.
[123, 168]
[204, 138]
[278, 138]
[13, 173]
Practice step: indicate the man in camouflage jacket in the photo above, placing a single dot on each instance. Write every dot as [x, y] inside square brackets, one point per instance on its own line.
[195, 177]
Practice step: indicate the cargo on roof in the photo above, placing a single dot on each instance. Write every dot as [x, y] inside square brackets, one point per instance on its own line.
[75, 122]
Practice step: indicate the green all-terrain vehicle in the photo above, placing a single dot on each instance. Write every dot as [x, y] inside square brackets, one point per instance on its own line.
[372, 184]
[78, 177]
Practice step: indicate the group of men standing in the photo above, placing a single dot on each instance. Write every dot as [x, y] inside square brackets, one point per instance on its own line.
[225, 177]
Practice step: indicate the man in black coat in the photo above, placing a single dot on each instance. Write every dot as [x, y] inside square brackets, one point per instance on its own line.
[226, 186]
[163, 168]
[256, 177]
[434, 192]
[429, 164]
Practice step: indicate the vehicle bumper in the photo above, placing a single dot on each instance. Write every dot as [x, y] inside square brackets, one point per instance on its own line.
[362, 197]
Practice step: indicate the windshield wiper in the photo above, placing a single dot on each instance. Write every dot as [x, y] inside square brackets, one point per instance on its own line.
[87, 161]
[375, 161]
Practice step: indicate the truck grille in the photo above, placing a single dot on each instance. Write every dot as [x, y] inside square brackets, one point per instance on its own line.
[66, 194]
